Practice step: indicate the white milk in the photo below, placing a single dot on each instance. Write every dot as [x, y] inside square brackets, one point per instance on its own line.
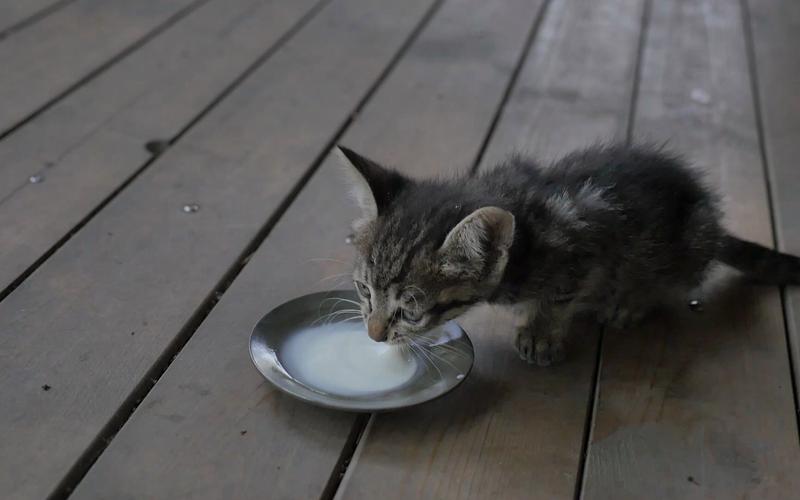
[342, 359]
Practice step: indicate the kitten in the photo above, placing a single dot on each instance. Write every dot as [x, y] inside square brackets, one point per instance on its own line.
[614, 229]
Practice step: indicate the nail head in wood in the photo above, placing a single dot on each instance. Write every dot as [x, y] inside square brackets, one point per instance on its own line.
[700, 96]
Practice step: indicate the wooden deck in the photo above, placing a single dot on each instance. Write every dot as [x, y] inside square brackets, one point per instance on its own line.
[124, 319]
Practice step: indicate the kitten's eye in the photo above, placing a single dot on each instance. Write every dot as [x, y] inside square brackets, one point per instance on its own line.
[362, 289]
[411, 316]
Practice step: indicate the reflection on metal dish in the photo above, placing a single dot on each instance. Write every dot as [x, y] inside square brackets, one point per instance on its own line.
[445, 364]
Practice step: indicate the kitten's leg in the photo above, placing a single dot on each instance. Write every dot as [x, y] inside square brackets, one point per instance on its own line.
[541, 339]
[553, 331]
[629, 309]
[524, 341]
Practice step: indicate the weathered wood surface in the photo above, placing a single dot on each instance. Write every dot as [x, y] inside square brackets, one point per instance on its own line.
[776, 29]
[45, 59]
[95, 317]
[438, 85]
[515, 431]
[576, 88]
[700, 405]
[16, 12]
[91, 142]
[689, 406]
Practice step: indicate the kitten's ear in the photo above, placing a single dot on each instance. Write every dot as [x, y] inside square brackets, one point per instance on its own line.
[482, 238]
[374, 187]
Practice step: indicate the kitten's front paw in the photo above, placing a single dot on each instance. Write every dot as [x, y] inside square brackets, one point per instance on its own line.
[548, 351]
[624, 317]
[525, 345]
[538, 350]
[621, 318]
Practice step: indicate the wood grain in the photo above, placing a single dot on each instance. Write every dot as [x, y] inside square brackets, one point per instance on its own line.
[516, 431]
[576, 88]
[775, 27]
[700, 405]
[44, 60]
[92, 321]
[305, 252]
[90, 143]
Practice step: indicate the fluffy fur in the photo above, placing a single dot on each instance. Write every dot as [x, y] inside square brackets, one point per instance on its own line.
[613, 229]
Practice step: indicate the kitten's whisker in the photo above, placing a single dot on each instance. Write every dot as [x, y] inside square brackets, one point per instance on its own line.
[349, 301]
[332, 276]
[427, 356]
[345, 320]
[442, 359]
[326, 299]
[433, 363]
[430, 350]
[342, 312]
[340, 282]
[421, 291]
[334, 314]
[448, 347]
[461, 354]
[341, 299]
[338, 318]
[338, 300]
[327, 259]
[424, 356]
[441, 340]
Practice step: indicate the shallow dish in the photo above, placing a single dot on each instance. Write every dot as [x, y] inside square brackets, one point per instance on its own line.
[437, 372]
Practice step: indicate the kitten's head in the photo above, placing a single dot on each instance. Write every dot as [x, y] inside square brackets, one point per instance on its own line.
[427, 250]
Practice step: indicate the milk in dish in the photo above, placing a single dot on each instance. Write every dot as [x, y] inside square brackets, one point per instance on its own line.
[341, 359]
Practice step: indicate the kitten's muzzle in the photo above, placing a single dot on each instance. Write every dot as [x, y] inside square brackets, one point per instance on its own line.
[377, 329]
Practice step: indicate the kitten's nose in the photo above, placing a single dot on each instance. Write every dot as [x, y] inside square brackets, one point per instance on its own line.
[377, 329]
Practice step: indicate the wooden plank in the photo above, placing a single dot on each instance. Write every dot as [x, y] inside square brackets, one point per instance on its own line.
[512, 430]
[16, 12]
[576, 88]
[700, 405]
[43, 61]
[439, 85]
[776, 34]
[94, 319]
[89, 144]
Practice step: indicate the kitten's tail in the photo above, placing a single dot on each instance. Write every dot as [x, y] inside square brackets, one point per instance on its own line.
[759, 263]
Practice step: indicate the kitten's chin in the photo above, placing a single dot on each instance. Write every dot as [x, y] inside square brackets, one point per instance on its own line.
[398, 339]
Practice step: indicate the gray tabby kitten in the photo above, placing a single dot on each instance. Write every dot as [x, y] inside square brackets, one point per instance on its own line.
[614, 229]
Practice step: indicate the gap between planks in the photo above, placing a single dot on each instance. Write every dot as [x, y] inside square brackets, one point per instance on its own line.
[752, 66]
[360, 430]
[151, 378]
[33, 18]
[107, 433]
[512, 82]
[660, 81]
[104, 66]
[259, 61]
[358, 433]
[629, 138]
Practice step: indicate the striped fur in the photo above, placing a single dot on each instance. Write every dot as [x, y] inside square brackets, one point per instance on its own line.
[611, 228]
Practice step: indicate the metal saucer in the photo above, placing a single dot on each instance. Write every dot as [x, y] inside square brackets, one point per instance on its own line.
[449, 366]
